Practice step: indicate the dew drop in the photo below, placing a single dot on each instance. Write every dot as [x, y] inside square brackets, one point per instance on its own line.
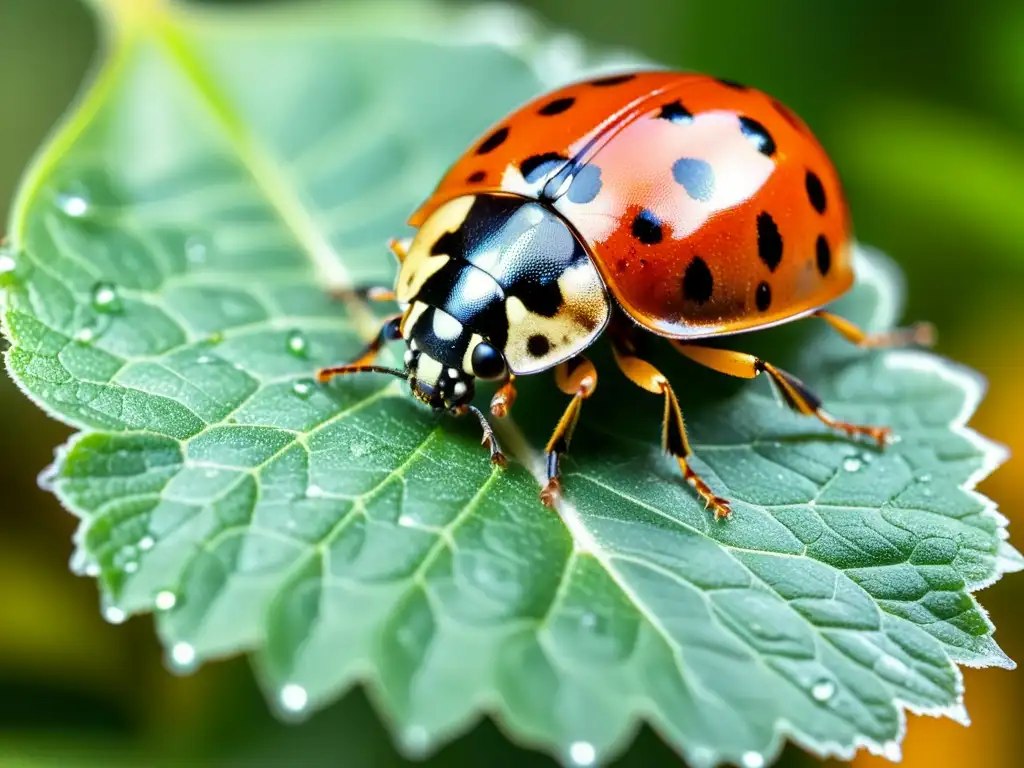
[867, 457]
[297, 344]
[204, 359]
[293, 697]
[114, 615]
[105, 298]
[131, 566]
[146, 543]
[416, 739]
[92, 569]
[406, 521]
[7, 264]
[752, 760]
[165, 600]
[851, 464]
[211, 473]
[302, 389]
[314, 492]
[74, 204]
[588, 620]
[892, 751]
[183, 657]
[927, 492]
[195, 250]
[238, 367]
[85, 335]
[582, 753]
[925, 478]
[823, 690]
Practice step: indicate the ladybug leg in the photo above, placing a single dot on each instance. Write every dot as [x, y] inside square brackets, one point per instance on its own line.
[365, 292]
[793, 391]
[922, 334]
[504, 397]
[673, 431]
[400, 247]
[389, 331]
[577, 377]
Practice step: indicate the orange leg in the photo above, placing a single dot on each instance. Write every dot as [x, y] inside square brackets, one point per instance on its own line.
[794, 392]
[389, 331]
[576, 377]
[366, 293]
[922, 334]
[673, 430]
[400, 247]
[504, 397]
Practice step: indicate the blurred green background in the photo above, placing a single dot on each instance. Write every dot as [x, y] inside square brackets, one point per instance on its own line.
[921, 105]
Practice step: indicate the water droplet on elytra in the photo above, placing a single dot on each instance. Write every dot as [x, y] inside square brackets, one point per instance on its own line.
[297, 344]
[851, 464]
[165, 600]
[582, 753]
[752, 760]
[823, 690]
[105, 298]
[293, 698]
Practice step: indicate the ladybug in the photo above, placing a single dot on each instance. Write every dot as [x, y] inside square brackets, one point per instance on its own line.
[675, 203]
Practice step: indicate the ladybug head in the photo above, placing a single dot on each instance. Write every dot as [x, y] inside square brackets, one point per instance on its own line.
[443, 388]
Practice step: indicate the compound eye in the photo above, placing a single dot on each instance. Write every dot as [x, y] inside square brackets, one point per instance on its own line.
[487, 362]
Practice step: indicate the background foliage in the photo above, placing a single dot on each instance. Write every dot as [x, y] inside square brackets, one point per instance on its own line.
[921, 105]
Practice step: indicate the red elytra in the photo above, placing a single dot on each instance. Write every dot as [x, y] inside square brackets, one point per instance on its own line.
[716, 210]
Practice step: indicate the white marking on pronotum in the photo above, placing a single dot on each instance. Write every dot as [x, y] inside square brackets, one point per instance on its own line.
[445, 326]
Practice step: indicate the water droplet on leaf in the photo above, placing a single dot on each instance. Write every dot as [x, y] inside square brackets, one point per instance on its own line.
[195, 249]
[105, 298]
[183, 657]
[165, 600]
[406, 521]
[85, 335]
[293, 697]
[74, 204]
[146, 543]
[851, 464]
[925, 478]
[297, 344]
[752, 760]
[114, 615]
[131, 566]
[823, 690]
[302, 388]
[582, 753]
[314, 492]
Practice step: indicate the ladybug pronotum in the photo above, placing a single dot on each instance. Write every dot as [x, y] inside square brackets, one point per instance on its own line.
[677, 203]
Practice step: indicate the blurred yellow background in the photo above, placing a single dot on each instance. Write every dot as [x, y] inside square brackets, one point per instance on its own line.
[921, 105]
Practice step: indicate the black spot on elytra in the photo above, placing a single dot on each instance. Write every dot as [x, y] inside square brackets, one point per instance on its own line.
[585, 186]
[763, 296]
[769, 241]
[758, 135]
[696, 176]
[823, 255]
[647, 228]
[815, 191]
[476, 177]
[675, 112]
[534, 167]
[556, 107]
[604, 82]
[538, 345]
[698, 284]
[732, 84]
[493, 141]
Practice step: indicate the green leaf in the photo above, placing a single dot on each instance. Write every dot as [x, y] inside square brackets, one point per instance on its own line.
[166, 295]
